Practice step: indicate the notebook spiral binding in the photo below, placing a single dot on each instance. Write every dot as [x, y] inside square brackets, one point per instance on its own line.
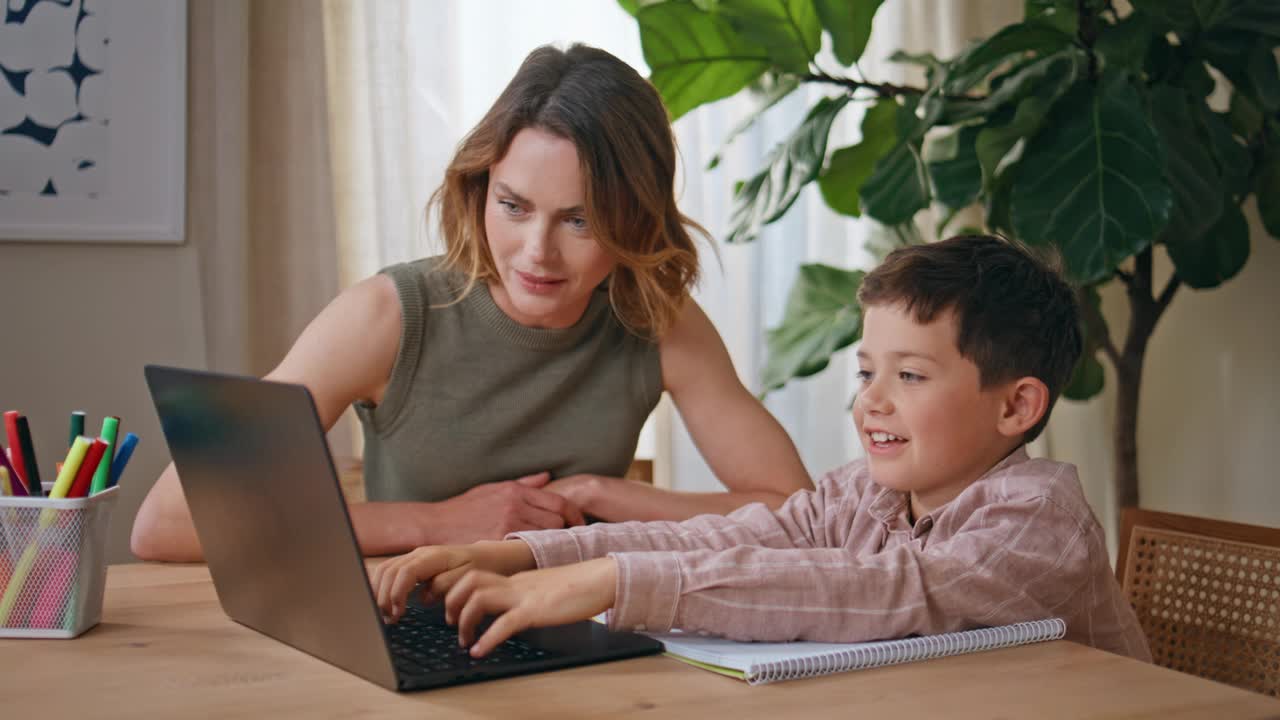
[909, 650]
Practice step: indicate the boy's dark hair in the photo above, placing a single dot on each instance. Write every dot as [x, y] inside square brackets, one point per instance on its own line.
[1016, 315]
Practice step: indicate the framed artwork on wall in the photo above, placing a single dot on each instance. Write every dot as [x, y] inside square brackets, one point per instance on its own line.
[93, 120]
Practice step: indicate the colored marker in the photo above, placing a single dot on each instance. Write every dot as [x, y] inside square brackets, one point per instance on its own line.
[88, 468]
[5, 488]
[102, 471]
[15, 451]
[16, 487]
[31, 466]
[77, 426]
[122, 457]
[70, 466]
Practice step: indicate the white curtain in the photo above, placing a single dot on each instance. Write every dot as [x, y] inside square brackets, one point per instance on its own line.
[406, 79]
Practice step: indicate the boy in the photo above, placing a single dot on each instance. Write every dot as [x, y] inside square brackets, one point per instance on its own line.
[945, 525]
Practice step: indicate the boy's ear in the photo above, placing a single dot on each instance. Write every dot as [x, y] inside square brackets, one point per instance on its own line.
[1025, 402]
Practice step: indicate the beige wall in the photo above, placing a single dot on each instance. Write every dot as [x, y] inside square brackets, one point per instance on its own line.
[95, 313]
[1209, 419]
[92, 316]
[258, 261]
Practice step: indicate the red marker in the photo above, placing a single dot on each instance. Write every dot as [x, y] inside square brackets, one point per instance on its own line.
[84, 476]
[15, 445]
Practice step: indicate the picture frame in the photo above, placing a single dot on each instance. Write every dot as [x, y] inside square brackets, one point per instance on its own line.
[93, 120]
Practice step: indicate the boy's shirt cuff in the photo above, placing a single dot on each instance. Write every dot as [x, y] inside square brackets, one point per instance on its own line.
[647, 592]
[551, 548]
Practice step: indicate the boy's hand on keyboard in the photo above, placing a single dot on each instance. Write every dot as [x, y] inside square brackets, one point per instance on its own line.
[438, 567]
[537, 598]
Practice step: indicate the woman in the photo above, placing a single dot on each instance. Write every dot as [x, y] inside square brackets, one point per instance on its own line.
[538, 344]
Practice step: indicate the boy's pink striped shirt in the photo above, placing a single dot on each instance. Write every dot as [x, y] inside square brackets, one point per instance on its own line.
[841, 563]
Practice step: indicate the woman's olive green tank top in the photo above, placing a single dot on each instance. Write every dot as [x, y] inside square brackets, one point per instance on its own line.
[476, 397]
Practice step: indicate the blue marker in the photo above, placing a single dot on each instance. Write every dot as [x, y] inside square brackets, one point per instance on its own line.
[122, 458]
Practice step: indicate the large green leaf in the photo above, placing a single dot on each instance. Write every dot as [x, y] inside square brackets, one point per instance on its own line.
[1088, 377]
[997, 198]
[633, 6]
[849, 24]
[1195, 77]
[696, 57]
[974, 64]
[1246, 119]
[1247, 61]
[953, 165]
[1267, 187]
[898, 187]
[1060, 14]
[1047, 77]
[790, 166]
[1260, 16]
[782, 88]
[849, 167]
[1189, 166]
[1264, 76]
[1176, 15]
[1233, 159]
[1038, 86]
[1124, 44]
[788, 29]
[1214, 257]
[926, 61]
[1092, 181]
[822, 316]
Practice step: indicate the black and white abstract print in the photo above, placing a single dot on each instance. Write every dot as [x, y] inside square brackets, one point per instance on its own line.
[54, 119]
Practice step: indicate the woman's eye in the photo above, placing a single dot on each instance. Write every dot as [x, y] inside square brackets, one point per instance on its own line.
[577, 222]
[910, 377]
[863, 375]
[509, 207]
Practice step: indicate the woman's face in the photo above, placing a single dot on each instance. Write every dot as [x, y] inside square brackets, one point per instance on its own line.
[547, 256]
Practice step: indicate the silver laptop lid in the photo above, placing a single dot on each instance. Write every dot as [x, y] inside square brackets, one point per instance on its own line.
[270, 514]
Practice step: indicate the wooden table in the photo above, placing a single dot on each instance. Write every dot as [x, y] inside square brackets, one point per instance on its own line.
[165, 649]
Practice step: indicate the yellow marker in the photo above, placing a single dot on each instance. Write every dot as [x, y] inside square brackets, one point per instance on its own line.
[70, 466]
[5, 487]
[66, 476]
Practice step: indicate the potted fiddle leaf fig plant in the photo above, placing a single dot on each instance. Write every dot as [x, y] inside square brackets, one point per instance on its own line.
[1110, 134]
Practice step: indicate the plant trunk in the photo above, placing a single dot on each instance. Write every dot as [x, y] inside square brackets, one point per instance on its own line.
[1145, 310]
[1128, 387]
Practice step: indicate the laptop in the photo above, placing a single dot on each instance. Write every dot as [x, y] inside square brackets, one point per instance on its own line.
[273, 522]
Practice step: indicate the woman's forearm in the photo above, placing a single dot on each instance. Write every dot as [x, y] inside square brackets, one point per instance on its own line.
[617, 500]
[164, 531]
[391, 528]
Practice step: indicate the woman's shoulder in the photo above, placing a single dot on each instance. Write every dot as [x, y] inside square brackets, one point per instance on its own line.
[426, 281]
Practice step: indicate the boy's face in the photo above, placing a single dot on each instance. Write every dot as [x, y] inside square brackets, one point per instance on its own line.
[925, 424]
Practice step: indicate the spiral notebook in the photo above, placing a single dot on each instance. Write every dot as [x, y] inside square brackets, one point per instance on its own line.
[760, 663]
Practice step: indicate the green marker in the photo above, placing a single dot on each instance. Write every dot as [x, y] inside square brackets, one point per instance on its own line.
[77, 427]
[110, 428]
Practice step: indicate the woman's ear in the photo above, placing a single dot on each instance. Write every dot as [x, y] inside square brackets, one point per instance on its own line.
[1026, 400]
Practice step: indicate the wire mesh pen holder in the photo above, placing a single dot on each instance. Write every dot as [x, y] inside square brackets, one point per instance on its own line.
[53, 564]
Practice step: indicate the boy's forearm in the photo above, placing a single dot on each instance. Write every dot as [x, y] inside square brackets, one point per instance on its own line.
[753, 525]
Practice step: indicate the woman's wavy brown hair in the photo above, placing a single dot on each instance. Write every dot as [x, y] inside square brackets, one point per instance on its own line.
[622, 133]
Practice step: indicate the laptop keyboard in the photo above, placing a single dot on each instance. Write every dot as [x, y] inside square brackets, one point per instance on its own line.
[421, 644]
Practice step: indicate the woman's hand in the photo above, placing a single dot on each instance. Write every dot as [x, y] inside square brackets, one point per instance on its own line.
[537, 598]
[439, 567]
[490, 511]
[582, 491]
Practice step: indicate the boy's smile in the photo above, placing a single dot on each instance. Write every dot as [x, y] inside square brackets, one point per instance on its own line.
[925, 422]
